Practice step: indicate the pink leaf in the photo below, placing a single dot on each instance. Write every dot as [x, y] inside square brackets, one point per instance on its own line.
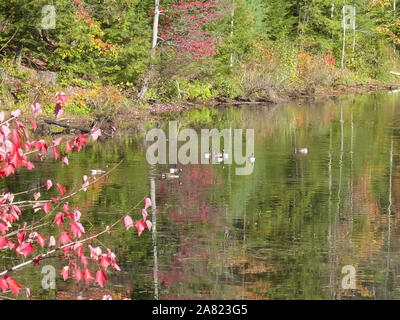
[60, 189]
[36, 109]
[27, 249]
[58, 110]
[34, 125]
[128, 222]
[95, 133]
[16, 113]
[65, 272]
[84, 261]
[49, 184]
[149, 224]
[65, 238]
[101, 278]
[77, 229]
[144, 214]
[55, 152]
[14, 286]
[147, 203]
[88, 275]
[57, 141]
[3, 284]
[77, 215]
[46, 207]
[41, 240]
[59, 218]
[65, 160]
[78, 275]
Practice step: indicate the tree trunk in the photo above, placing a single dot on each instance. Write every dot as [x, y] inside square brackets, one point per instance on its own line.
[232, 25]
[146, 81]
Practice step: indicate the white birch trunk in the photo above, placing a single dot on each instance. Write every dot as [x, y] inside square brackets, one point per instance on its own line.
[147, 79]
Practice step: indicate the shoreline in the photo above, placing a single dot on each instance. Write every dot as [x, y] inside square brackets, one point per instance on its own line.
[158, 111]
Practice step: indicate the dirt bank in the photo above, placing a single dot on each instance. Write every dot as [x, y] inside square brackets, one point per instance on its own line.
[158, 111]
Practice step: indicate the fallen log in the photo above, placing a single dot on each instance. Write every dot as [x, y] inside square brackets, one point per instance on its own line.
[67, 126]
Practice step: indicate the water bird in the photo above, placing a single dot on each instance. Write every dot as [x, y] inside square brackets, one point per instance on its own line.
[301, 150]
[169, 175]
[252, 159]
[207, 154]
[221, 156]
[99, 171]
[174, 170]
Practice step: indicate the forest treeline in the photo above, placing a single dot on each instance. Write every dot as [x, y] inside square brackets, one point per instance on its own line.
[203, 49]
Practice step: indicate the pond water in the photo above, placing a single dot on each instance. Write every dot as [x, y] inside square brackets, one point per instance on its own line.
[284, 232]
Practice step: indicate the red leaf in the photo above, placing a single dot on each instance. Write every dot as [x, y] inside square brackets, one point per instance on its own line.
[65, 238]
[30, 165]
[59, 218]
[3, 242]
[140, 225]
[34, 125]
[21, 236]
[78, 275]
[84, 261]
[68, 147]
[60, 189]
[3, 285]
[77, 229]
[41, 240]
[88, 275]
[65, 272]
[3, 228]
[56, 154]
[128, 222]
[14, 286]
[61, 98]
[46, 207]
[101, 278]
[66, 207]
[58, 110]
[105, 262]
[27, 249]
[79, 251]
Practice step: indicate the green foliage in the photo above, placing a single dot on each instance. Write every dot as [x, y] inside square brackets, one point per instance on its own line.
[266, 45]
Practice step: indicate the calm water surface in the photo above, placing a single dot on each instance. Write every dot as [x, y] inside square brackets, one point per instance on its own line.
[283, 232]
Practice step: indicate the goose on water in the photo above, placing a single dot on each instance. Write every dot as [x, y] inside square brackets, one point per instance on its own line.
[99, 171]
[301, 150]
[174, 170]
[221, 156]
[169, 175]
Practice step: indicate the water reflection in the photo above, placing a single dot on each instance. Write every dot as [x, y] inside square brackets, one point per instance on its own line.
[286, 231]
